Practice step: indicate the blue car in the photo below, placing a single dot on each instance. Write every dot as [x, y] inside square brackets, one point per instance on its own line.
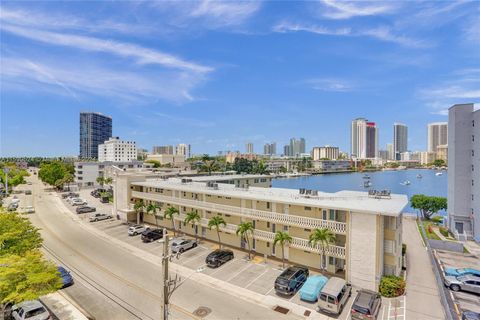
[462, 272]
[312, 287]
[67, 278]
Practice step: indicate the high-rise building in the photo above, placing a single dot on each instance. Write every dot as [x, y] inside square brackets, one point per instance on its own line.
[183, 149]
[286, 150]
[400, 139]
[270, 148]
[297, 147]
[95, 128]
[383, 154]
[363, 139]
[117, 150]
[437, 135]
[464, 171]
[372, 140]
[162, 150]
[326, 152]
[249, 148]
[390, 153]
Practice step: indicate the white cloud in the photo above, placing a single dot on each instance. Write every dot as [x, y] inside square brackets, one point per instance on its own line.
[225, 13]
[381, 33]
[329, 84]
[348, 9]
[78, 80]
[141, 54]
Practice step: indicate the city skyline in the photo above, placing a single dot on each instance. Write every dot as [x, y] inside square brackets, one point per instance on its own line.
[188, 74]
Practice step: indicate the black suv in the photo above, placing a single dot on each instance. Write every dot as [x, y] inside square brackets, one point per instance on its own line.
[291, 279]
[85, 209]
[366, 305]
[152, 235]
[218, 257]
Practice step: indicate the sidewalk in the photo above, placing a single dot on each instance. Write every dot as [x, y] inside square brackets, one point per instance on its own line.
[422, 298]
[62, 308]
[472, 247]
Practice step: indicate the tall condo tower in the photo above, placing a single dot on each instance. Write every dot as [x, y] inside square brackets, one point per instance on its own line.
[95, 129]
[400, 139]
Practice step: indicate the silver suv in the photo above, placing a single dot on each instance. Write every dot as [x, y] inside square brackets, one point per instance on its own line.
[181, 245]
[136, 229]
[465, 283]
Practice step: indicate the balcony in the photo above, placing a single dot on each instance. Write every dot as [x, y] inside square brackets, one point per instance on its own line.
[273, 217]
[297, 243]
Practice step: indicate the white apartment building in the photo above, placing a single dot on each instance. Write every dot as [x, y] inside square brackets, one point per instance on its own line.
[117, 150]
[437, 134]
[364, 139]
[183, 149]
[368, 227]
[87, 172]
[464, 171]
[326, 152]
[249, 148]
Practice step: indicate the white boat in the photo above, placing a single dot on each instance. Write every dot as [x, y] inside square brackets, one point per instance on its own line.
[439, 173]
[405, 183]
[419, 176]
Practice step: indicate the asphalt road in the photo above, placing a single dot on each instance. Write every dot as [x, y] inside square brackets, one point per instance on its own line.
[111, 283]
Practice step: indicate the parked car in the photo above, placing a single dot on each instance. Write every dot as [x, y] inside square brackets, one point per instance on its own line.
[30, 310]
[67, 278]
[464, 283]
[99, 217]
[334, 296]
[15, 200]
[85, 209]
[136, 229]
[70, 194]
[311, 289]
[152, 235]
[78, 202]
[218, 257]
[104, 200]
[71, 198]
[28, 192]
[29, 209]
[461, 272]
[291, 279]
[13, 206]
[470, 315]
[181, 245]
[366, 305]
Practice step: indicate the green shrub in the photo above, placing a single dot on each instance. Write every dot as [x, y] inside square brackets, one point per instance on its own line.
[392, 286]
[443, 231]
[437, 219]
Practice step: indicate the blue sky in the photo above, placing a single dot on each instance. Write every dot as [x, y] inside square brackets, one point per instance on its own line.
[220, 74]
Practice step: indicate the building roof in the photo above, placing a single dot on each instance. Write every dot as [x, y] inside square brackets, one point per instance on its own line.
[229, 177]
[356, 201]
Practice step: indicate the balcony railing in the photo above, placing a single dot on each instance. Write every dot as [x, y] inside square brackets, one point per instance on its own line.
[298, 243]
[273, 217]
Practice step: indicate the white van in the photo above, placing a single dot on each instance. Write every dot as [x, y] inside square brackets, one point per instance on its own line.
[334, 296]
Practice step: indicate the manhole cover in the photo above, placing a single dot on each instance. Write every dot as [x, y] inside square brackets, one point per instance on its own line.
[281, 309]
[307, 313]
[202, 312]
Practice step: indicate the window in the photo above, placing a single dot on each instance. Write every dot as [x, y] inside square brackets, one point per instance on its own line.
[256, 181]
[268, 244]
[285, 228]
[332, 214]
[331, 261]
[307, 230]
[268, 224]
[324, 214]
[268, 205]
[308, 208]
[389, 246]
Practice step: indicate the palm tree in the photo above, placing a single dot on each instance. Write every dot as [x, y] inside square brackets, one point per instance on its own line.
[169, 214]
[107, 181]
[193, 217]
[138, 207]
[216, 222]
[152, 209]
[323, 237]
[282, 238]
[244, 230]
[101, 181]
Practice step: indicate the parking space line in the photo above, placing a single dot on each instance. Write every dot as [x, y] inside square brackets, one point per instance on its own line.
[256, 278]
[193, 258]
[293, 296]
[236, 274]
[273, 287]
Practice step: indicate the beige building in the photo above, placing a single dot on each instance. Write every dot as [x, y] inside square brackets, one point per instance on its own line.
[427, 157]
[231, 156]
[442, 152]
[368, 229]
[326, 152]
[175, 160]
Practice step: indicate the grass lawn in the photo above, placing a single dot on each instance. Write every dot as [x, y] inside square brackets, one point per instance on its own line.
[426, 223]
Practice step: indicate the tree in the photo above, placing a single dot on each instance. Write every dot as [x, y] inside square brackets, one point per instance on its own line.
[53, 172]
[156, 163]
[323, 237]
[283, 238]
[193, 218]
[101, 181]
[439, 163]
[139, 206]
[428, 205]
[210, 166]
[27, 277]
[152, 209]
[169, 214]
[108, 181]
[245, 229]
[216, 222]
[260, 168]
[17, 234]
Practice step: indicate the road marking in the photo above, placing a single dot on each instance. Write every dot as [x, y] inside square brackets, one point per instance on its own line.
[236, 274]
[256, 278]
[270, 291]
[191, 258]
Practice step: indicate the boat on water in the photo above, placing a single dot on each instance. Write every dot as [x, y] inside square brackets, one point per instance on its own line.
[366, 176]
[419, 176]
[367, 184]
[439, 173]
[405, 183]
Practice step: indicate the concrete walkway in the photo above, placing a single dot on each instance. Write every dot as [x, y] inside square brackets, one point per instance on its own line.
[473, 248]
[422, 298]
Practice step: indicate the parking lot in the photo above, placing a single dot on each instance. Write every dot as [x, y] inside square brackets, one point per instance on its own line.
[256, 275]
[464, 300]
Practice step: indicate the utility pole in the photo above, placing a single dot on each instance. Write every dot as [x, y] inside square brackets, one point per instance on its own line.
[6, 170]
[166, 281]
